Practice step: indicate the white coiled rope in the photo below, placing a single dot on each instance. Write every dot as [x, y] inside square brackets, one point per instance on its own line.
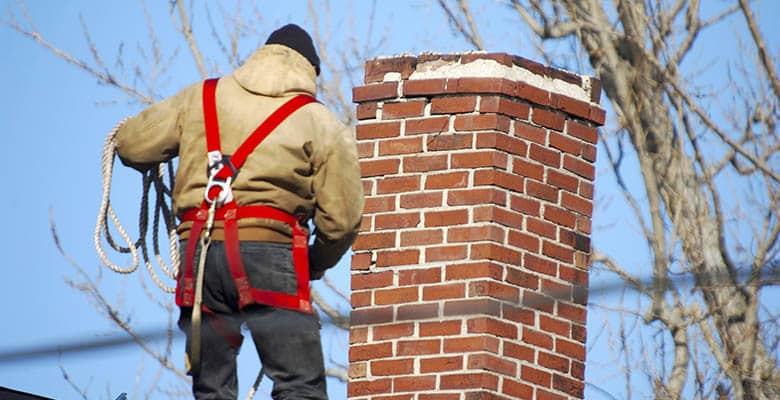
[154, 177]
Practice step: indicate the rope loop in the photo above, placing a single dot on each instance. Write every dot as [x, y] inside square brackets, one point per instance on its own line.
[163, 210]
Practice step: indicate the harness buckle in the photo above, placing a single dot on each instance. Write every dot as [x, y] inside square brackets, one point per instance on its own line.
[224, 194]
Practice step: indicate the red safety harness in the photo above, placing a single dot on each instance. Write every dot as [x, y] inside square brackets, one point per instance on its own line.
[222, 170]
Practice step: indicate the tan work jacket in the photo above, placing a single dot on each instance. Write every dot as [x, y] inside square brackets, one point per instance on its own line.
[308, 166]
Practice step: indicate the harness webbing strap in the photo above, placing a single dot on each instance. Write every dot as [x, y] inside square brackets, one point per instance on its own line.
[230, 213]
[210, 115]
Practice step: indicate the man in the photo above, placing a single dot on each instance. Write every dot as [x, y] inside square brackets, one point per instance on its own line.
[305, 168]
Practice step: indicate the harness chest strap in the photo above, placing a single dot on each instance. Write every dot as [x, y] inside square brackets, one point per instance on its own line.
[223, 169]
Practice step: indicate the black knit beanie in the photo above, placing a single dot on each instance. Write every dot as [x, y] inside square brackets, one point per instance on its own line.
[294, 37]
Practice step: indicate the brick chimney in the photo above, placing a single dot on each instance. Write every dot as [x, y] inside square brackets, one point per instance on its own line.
[469, 279]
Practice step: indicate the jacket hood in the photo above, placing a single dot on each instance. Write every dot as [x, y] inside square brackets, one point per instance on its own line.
[277, 70]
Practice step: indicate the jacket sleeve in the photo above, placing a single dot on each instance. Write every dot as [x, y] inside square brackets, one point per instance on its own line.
[339, 206]
[152, 136]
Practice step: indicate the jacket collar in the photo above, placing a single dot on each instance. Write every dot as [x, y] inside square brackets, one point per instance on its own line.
[277, 70]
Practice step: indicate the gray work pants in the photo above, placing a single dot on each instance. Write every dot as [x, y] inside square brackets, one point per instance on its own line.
[287, 342]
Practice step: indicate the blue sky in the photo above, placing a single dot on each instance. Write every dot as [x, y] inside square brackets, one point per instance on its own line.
[53, 120]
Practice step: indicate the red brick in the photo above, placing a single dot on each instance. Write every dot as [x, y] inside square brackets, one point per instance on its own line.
[528, 169]
[496, 290]
[586, 190]
[481, 122]
[418, 347]
[483, 85]
[577, 108]
[499, 215]
[397, 257]
[440, 328]
[491, 251]
[377, 130]
[369, 241]
[396, 295]
[582, 131]
[523, 241]
[522, 278]
[445, 291]
[448, 180]
[396, 220]
[422, 237]
[361, 261]
[541, 191]
[419, 276]
[542, 394]
[420, 163]
[472, 307]
[446, 218]
[558, 252]
[530, 132]
[476, 233]
[493, 327]
[360, 299]
[422, 200]
[579, 333]
[414, 383]
[426, 125]
[453, 104]
[398, 184]
[469, 344]
[379, 167]
[521, 315]
[537, 301]
[416, 312]
[565, 144]
[556, 326]
[549, 119]
[501, 58]
[532, 94]
[370, 351]
[365, 388]
[372, 280]
[369, 316]
[404, 109]
[492, 177]
[393, 147]
[578, 370]
[597, 115]
[562, 181]
[492, 363]
[518, 351]
[500, 141]
[366, 111]
[525, 206]
[572, 313]
[540, 227]
[474, 270]
[553, 361]
[441, 364]
[358, 335]
[579, 167]
[389, 332]
[392, 367]
[517, 390]
[577, 204]
[479, 159]
[575, 276]
[559, 216]
[570, 349]
[537, 376]
[572, 387]
[445, 253]
[454, 141]
[378, 91]
[379, 204]
[377, 68]
[468, 381]
[502, 105]
[476, 196]
[545, 156]
[366, 149]
[424, 87]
